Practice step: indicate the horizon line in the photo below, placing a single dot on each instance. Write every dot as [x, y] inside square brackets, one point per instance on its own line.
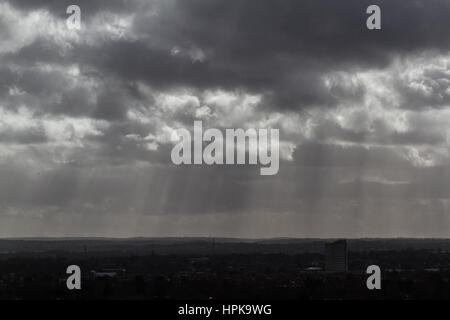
[74, 238]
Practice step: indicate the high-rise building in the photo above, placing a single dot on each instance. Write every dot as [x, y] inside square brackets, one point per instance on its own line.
[336, 256]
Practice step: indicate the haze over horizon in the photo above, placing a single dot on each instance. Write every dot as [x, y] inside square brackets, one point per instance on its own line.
[86, 118]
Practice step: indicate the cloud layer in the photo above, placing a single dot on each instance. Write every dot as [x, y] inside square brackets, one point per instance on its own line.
[86, 117]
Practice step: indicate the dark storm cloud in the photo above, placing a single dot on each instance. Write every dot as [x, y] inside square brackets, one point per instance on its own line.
[41, 50]
[282, 49]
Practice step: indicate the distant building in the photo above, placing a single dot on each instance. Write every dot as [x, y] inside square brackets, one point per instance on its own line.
[336, 256]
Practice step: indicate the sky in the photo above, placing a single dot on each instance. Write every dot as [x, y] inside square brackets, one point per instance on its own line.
[86, 117]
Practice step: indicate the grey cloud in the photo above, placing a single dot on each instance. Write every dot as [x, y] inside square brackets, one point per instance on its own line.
[330, 155]
[30, 136]
[429, 91]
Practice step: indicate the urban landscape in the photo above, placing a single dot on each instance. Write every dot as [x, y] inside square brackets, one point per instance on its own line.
[218, 269]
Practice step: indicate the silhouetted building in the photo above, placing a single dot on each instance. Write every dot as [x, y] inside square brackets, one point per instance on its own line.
[336, 256]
